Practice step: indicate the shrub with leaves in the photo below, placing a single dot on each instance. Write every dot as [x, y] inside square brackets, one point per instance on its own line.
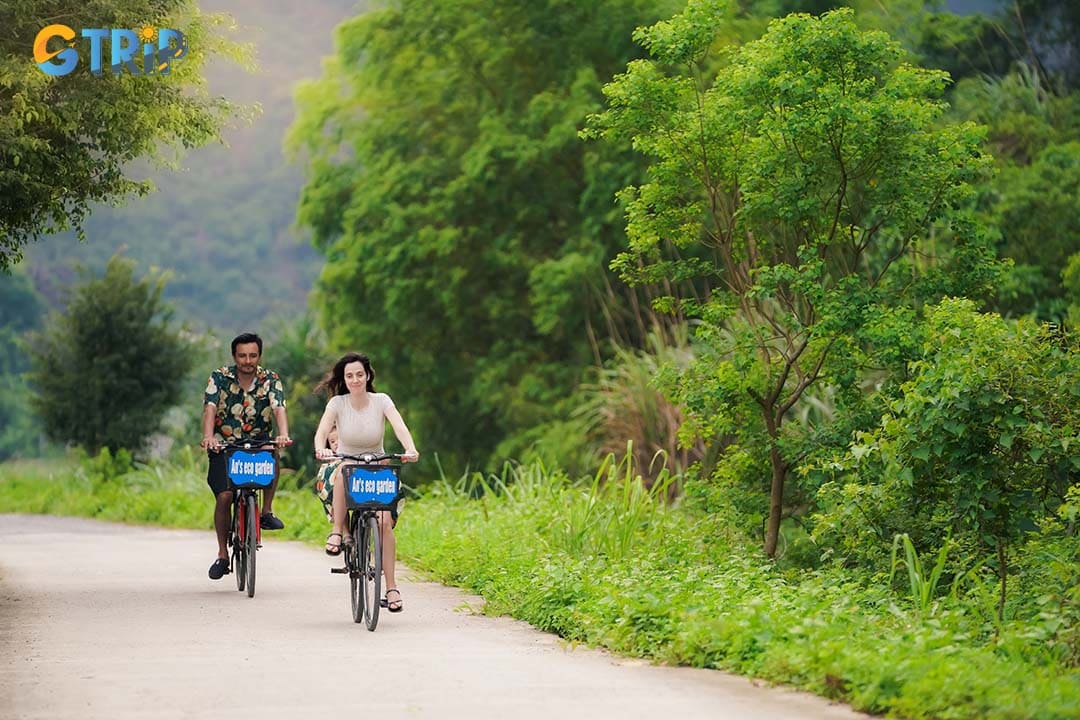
[981, 441]
[107, 370]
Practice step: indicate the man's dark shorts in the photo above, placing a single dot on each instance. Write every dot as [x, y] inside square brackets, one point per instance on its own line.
[216, 476]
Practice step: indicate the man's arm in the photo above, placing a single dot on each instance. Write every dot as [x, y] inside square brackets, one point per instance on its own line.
[277, 404]
[208, 416]
[282, 421]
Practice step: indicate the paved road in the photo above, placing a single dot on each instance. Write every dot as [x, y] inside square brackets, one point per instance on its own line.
[107, 621]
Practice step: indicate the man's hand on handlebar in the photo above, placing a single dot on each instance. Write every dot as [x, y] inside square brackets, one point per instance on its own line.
[212, 443]
[410, 457]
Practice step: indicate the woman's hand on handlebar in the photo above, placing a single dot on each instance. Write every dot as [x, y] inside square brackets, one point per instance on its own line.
[283, 441]
[409, 457]
[325, 454]
[210, 443]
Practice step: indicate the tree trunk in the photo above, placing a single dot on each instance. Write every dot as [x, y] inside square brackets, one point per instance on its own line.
[776, 492]
[1003, 573]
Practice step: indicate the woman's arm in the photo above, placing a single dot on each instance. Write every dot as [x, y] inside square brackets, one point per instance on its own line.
[402, 432]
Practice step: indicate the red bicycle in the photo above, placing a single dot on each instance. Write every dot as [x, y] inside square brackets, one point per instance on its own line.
[251, 466]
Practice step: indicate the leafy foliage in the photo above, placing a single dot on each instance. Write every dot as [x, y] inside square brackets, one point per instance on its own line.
[465, 227]
[68, 141]
[980, 442]
[1038, 214]
[21, 310]
[300, 357]
[1070, 278]
[812, 168]
[107, 369]
[1031, 202]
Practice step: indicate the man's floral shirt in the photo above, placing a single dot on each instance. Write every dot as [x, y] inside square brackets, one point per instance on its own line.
[244, 413]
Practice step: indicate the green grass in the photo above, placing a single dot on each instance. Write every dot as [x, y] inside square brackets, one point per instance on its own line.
[172, 494]
[608, 563]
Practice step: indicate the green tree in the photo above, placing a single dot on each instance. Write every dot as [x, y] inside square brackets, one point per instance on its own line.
[300, 357]
[1036, 208]
[1048, 31]
[21, 310]
[466, 228]
[979, 444]
[107, 369]
[1032, 200]
[67, 142]
[1070, 280]
[813, 168]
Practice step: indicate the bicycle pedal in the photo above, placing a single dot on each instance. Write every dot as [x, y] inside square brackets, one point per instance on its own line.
[340, 570]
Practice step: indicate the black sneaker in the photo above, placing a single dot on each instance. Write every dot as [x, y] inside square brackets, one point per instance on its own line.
[267, 521]
[219, 569]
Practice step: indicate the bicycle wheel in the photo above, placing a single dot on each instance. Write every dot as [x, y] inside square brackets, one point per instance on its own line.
[238, 554]
[251, 542]
[353, 563]
[371, 566]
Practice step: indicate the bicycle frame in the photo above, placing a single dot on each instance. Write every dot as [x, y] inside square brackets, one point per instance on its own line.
[371, 488]
[251, 467]
[240, 496]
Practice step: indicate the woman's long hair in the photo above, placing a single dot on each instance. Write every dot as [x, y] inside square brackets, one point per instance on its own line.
[334, 382]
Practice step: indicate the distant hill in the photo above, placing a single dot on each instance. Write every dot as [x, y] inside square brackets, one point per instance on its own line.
[222, 225]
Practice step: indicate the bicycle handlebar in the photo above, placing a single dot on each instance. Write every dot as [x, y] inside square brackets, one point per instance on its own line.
[248, 444]
[367, 457]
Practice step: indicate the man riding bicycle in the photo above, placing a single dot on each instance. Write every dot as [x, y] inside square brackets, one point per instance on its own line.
[239, 402]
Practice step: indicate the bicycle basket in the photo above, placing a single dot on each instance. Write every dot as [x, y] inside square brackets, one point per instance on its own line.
[376, 487]
[251, 468]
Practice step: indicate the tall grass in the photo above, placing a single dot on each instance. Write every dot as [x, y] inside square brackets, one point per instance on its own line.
[628, 413]
[606, 561]
[923, 585]
[170, 493]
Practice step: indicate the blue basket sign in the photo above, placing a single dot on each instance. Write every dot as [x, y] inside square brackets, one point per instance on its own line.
[371, 484]
[251, 468]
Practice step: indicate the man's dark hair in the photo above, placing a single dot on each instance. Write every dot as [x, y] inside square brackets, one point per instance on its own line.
[244, 338]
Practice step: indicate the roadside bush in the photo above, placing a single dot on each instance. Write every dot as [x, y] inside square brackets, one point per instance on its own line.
[979, 444]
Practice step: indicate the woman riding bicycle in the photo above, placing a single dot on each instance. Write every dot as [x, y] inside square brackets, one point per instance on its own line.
[359, 414]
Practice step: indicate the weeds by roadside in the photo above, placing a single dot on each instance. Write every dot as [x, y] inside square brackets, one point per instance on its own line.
[607, 562]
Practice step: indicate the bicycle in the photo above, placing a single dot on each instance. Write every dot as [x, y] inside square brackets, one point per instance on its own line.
[370, 487]
[251, 465]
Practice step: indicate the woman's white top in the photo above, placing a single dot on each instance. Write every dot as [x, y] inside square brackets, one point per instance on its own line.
[360, 431]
